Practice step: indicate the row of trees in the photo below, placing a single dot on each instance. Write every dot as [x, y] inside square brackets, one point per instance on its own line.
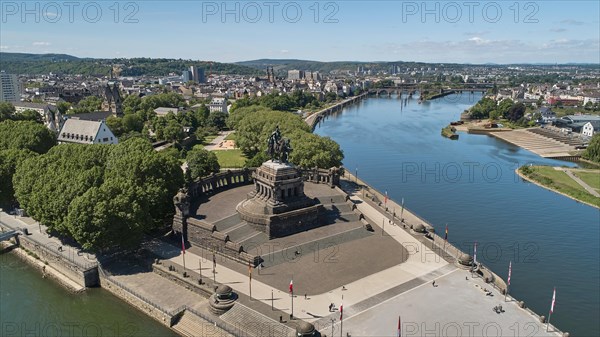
[254, 124]
[19, 140]
[103, 196]
[284, 102]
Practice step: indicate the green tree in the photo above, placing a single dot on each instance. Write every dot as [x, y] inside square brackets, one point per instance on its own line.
[112, 215]
[115, 125]
[202, 163]
[593, 150]
[217, 120]
[516, 112]
[87, 105]
[9, 160]
[26, 135]
[6, 111]
[310, 150]
[28, 115]
[63, 107]
[132, 122]
[255, 127]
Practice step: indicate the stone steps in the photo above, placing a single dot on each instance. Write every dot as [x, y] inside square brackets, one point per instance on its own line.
[240, 232]
[337, 199]
[191, 325]
[253, 323]
[224, 224]
[254, 240]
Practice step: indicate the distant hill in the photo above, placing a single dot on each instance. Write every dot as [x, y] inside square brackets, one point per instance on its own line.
[281, 66]
[35, 57]
[34, 64]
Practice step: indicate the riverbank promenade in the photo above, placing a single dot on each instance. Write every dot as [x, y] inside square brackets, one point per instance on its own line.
[458, 304]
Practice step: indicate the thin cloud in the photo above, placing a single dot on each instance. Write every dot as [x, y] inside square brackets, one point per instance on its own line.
[572, 22]
[558, 30]
[41, 43]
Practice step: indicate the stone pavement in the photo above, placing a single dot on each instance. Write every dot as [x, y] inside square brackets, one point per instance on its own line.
[214, 144]
[420, 261]
[41, 237]
[454, 307]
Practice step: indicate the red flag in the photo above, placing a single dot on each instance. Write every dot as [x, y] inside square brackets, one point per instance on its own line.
[182, 244]
[292, 286]
[399, 327]
[509, 271]
[446, 236]
[553, 300]
[342, 310]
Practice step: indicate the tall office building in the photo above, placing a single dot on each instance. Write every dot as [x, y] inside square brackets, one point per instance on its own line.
[10, 90]
[201, 78]
[194, 71]
[186, 76]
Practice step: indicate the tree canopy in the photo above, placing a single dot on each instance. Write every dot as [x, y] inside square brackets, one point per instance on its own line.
[593, 150]
[201, 163]
[103, 196]
[254, 125]
[26, 135]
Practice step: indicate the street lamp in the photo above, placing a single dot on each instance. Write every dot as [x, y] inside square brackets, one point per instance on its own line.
[332, 322]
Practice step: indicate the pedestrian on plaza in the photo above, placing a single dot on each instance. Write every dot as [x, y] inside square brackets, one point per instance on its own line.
[305, 296]
[433, 284]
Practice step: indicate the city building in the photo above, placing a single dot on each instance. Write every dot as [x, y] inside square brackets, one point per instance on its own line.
[10, 88]
[294, 75]
[218, 105]
[86, 132]
[186, 76]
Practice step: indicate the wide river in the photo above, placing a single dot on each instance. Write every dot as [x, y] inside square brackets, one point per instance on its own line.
[470, 185]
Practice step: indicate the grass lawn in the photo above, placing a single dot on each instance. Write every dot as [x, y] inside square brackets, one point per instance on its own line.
[230, 136]
[559, 181]
[230, 158]
[590, 178]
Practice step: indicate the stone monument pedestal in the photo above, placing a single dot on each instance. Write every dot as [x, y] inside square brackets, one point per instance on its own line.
[278, 205]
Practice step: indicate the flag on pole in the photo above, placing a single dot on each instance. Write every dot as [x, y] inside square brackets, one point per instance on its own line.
[475, 253]
[509, 271]
[553, 300]
[182, 244]
[342, 309]
[250, 270]
[292, 286]
[399, 327]
[446, 236]
[214, 261]
[386, 198]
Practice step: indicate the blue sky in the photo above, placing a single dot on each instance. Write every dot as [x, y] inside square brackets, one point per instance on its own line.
[428, 31]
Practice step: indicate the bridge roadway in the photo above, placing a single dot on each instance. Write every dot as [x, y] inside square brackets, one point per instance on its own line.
[8, 235]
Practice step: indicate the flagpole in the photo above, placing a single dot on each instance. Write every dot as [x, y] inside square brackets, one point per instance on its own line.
[383, 227]
[250, 278]
[292, 298]
[402, 212]
[508, 281]
[551, 309]
[342, 317]
[183, 251]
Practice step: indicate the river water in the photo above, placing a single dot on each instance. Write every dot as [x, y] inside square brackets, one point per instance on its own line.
[470, 185]
[33, 306]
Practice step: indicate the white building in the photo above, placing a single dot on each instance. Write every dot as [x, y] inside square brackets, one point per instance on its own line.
[588, 129]
[218, 105]
[86, 132]
[10, 88]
